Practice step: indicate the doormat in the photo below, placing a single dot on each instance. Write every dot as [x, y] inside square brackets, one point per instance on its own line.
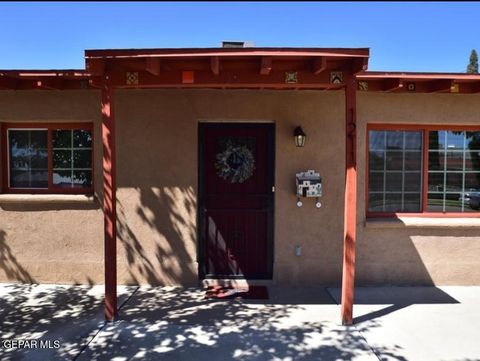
[250, 293]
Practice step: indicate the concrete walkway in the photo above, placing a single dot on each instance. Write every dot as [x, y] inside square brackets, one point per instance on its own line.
[70, 315]
[392, 323]
[419, 323]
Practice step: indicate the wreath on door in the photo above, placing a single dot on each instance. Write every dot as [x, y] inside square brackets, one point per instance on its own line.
[235, 164]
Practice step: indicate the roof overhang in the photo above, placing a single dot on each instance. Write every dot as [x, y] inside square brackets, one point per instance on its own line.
[418, 82]
[257, 68]
[44, 79]
[236, 68]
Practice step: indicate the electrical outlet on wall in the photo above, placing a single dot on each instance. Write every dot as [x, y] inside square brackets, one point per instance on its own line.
[298, 250]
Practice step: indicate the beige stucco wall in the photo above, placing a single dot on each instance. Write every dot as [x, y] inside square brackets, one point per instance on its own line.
[52, 242]
[157, 190]
[157, 179]
[415, 255]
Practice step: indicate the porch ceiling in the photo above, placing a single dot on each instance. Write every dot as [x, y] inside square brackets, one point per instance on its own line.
[416, 82]
[257, 68]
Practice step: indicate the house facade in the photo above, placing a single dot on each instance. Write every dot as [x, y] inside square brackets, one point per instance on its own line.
[170, 166]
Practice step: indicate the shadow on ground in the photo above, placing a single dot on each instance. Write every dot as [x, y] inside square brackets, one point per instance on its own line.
[394, 298]
[71, 315]
[179, 324]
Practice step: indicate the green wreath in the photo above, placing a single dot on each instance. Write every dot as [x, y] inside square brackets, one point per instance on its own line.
[235, 164]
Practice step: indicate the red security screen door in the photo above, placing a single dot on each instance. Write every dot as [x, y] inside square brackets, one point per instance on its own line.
[236, 200]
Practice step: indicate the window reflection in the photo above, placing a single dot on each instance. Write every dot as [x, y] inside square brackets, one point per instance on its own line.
[395, 166]
[72, 158]
[454, 171]
[28, 157]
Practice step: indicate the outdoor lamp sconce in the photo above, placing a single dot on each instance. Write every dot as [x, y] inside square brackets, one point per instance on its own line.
[300, 137]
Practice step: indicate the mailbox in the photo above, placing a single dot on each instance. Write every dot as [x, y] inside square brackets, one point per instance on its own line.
[309, 185]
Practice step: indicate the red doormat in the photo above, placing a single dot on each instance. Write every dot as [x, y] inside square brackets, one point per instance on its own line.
[250, 293]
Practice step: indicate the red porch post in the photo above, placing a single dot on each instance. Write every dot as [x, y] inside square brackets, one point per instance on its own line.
[350, 217]
[109, 200]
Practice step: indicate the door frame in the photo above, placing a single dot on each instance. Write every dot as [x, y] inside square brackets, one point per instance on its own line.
[202, 242]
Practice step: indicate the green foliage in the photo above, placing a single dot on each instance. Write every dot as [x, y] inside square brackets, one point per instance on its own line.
[472, 67]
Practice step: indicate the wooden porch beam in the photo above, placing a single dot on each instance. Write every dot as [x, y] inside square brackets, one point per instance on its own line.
[215, 65]
[228, 79]
[350, 215]
[319, 65]
[391, 85]
[266, 65]
[109, 200]
[152, 65]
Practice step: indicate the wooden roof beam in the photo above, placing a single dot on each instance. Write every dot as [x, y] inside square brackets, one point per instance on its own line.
[359, 65]
[228, 79]
[50, 84]
[319, 65]
[391, 85]
[8, 82]
[475, 87]
[266, 65]
[96, 67]
[152, 65]
[439, 86]
[215, 65]
[470, 87]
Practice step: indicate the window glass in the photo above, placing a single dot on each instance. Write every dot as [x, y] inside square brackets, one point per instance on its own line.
[33, 163]
[453, 171]
[28, 158]
[395, 171]
[437, 140]
[72, 158]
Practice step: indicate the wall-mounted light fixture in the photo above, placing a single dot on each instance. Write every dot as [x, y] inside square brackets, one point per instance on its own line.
[300, 137]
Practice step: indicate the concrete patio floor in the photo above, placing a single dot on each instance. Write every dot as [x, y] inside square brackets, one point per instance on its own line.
[392, 323]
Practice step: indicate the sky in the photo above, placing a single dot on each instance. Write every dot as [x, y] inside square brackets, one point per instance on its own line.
[411, 36]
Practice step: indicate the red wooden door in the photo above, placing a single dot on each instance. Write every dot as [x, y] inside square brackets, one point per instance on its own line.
[236, 207]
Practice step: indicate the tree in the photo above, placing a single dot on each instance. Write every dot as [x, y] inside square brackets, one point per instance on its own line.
[472, 67]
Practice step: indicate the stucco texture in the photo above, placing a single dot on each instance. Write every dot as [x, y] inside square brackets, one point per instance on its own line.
[414, 255]
[158, 173]
[52, 242]
[157, 176]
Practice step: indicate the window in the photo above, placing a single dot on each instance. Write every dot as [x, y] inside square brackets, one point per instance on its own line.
[453, 171]
[423, 170]
[53, 158]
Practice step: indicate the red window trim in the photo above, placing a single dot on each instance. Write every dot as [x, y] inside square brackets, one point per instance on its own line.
[425, 128]
[51, 189]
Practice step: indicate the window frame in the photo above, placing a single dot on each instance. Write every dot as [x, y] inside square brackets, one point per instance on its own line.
[50, 127]
[425, 128]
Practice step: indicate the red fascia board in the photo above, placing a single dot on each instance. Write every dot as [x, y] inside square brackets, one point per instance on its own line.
[227, 52]
[375, 75]
[33, 73]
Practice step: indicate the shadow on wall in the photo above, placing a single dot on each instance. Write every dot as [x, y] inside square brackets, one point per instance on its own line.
[407, 258]
[170, 215]
[411, 257]
[9, 264]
